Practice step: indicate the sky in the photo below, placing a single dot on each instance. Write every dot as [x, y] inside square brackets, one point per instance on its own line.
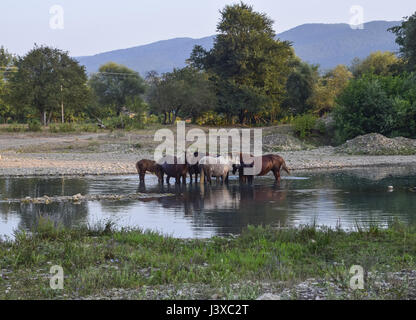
[86, 27]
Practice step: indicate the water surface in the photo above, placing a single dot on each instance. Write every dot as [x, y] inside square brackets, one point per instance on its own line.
[330, 198]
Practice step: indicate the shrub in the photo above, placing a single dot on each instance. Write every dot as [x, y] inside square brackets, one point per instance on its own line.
[304, 124]
[61, 127]
[377, 104]
[34, 126]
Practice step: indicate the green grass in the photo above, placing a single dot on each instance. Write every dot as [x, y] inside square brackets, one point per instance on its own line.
[98, 259]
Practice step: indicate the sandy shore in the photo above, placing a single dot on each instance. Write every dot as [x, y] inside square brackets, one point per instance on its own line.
[101, 154]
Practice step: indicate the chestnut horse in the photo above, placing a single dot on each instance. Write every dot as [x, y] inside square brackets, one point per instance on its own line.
[151, 166]
[270, 162]
[172, 168]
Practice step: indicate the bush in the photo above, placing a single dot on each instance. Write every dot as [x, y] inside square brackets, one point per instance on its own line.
[304, 124]
[61, 127]
[34, 126]
[124, 122]
[377, 104]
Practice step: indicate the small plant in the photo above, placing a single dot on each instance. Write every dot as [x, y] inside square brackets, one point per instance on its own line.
[304, 124]
[34, 126]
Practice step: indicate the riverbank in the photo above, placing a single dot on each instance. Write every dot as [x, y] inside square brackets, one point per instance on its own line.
[116, 154]
[262, 263]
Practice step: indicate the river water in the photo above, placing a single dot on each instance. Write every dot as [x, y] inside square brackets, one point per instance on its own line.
[342, 198]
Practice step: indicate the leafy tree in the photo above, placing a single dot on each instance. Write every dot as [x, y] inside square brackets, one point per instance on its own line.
[328, 88]
[36, 86]
[300, 86]
[381, 104]
[7, 61]
[184, 92]
[114, 85]
[378, 63]
[406, 35]
[247, 65]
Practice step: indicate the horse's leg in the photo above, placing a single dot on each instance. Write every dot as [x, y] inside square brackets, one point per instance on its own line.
[202, 178]
[142, 175]
[276, 175]
[168, 179]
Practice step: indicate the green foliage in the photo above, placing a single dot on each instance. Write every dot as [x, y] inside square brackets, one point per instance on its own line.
[114, 85]
[304, 124]
[248, 66]
[184, 92]
[406, 35]
[385, 105]
[61, 127]
[35, 89]
[124, 122]
[34, 126]
[211, 118]
[300, 87]
[377, 63]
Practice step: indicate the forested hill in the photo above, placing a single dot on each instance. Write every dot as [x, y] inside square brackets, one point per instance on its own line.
[325, 44]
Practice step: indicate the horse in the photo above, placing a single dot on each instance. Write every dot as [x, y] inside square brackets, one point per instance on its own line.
[270, 162]
[218, 167]
[193, 165]
[172, 168]
[151, 166]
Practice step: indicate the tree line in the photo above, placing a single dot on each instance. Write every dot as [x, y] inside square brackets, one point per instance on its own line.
[249, 77]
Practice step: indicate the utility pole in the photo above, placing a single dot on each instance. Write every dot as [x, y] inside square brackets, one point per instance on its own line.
[62, 105]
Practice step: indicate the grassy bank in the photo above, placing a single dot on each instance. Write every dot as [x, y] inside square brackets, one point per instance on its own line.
[102, 263]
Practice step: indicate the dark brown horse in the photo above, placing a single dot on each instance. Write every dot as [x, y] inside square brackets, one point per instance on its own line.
[270, 162]
[151, 166]
[193, 165]
[173, 169]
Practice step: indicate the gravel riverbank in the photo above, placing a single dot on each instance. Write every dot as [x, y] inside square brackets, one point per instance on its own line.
[95, 154]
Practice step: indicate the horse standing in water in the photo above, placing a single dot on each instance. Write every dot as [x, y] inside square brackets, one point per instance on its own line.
[172, 168]
[218, 167]
[151, 166]
[270, 162]
[193, 165]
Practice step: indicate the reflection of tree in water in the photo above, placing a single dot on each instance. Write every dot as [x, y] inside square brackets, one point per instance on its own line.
[67, 214]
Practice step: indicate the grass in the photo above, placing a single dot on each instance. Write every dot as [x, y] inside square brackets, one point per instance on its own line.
[98, 259]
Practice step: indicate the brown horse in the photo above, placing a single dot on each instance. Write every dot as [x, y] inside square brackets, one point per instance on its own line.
[193, 167]
[172, 168]
[270, 162]
[151, 166]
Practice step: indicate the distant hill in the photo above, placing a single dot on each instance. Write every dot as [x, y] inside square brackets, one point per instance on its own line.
[325, 44]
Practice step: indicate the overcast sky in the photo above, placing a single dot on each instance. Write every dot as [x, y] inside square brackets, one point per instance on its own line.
[94, 26]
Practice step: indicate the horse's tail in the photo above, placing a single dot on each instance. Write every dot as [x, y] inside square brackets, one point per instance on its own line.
[138, 167]
[285, 168]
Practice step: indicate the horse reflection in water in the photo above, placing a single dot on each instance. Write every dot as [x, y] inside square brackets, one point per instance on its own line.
[219, 198]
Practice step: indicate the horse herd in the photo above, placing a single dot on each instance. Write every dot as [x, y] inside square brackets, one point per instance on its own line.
[208, 167]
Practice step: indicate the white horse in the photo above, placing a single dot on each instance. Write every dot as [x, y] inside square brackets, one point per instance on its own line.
[218, 167]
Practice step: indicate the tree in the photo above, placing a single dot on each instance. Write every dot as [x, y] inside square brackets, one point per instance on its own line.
[405, 38]
[114, 85]
[184, 92]
[378, 63]
[247, 65]
[328, 88]
[300, 86]
[7, 61]
[38, 81]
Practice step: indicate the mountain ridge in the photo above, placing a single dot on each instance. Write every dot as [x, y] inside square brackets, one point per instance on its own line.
[324, 44]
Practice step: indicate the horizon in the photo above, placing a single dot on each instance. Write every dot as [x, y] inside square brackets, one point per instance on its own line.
[94, 27]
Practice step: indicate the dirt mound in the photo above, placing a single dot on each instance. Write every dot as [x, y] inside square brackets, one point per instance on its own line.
[283, 142]
[377, 144]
